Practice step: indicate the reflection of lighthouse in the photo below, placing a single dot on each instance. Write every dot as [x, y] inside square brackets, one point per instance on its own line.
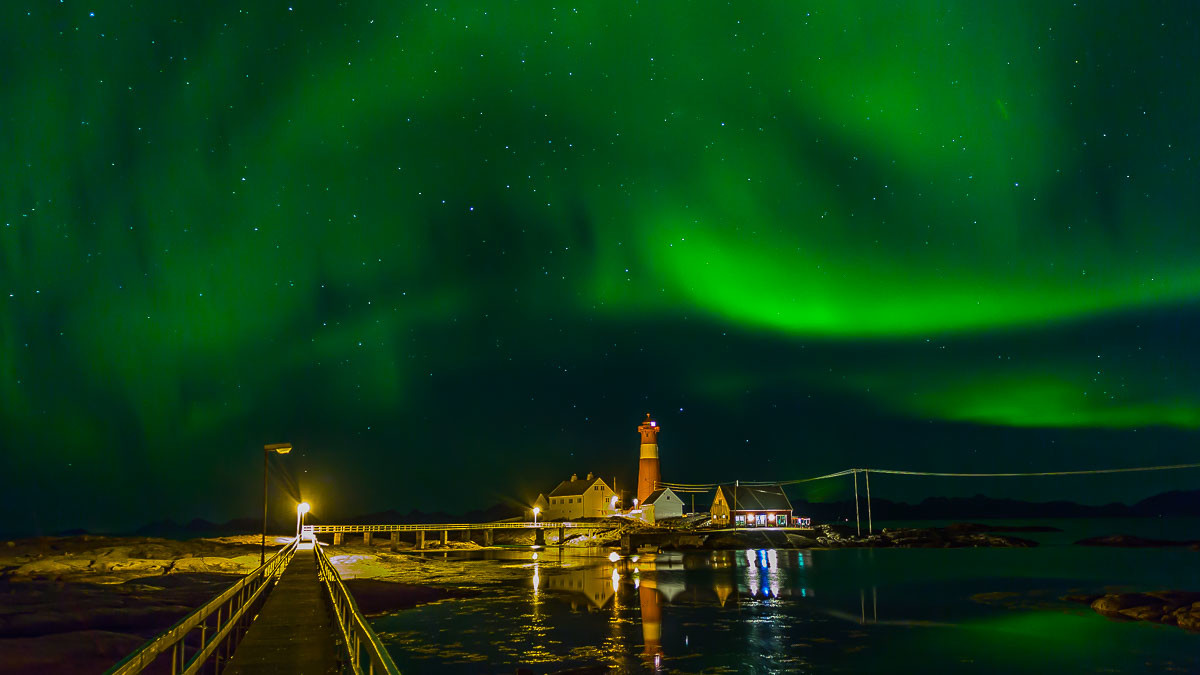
[649, 473]
[651, 625]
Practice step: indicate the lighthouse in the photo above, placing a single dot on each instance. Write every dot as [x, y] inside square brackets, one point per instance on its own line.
[649, 473]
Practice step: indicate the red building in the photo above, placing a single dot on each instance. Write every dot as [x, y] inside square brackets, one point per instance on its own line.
[751, 506]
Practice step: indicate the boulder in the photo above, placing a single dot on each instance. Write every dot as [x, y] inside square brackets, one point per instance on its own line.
[1189, 621]
[1113, 603]
[1146, 612]
[208, 564]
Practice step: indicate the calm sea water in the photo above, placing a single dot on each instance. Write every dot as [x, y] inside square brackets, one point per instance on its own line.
[851, 610]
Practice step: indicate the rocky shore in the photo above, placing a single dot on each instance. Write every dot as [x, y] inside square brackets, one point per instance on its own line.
[1174, 608]
[959, 535]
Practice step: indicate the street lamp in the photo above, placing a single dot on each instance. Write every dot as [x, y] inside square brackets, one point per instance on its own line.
[283, 449]
[536, 511]
[301, 509]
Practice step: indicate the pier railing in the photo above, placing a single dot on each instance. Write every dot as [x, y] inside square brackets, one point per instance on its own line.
[213, 629]
[355, 632]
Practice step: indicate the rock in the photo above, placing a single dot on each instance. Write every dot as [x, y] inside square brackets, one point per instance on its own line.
[210, 564]
[1190, 621]
[1113, 603]
[1083, 598]
[52, 568]
[1176, 608]
[1145, 612]
[800, 541]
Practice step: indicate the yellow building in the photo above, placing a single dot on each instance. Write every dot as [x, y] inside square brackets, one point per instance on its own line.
[575, 498]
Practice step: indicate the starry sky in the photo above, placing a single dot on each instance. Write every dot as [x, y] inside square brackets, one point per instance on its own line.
[454, 251]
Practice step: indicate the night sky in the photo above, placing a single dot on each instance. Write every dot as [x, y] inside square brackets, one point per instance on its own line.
[453, 252]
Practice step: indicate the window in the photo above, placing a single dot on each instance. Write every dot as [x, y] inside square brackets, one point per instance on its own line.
[781, 520]
[740, 519]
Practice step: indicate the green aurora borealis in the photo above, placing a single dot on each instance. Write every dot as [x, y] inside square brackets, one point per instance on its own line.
[957, 236]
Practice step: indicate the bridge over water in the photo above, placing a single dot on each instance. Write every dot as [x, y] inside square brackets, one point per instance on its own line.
[293, 614]
[419, 531]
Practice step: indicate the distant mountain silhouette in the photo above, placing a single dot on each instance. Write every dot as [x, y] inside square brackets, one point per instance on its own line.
[1175, 503]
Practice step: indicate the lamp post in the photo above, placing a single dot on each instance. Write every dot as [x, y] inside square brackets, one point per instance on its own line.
[283, 449]
[301, 509]
[536, 511]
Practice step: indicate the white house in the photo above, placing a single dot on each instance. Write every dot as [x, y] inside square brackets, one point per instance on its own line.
[661, 504]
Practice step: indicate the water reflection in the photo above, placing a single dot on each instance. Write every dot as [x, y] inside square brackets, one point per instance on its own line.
[742, 611]
[651, 582]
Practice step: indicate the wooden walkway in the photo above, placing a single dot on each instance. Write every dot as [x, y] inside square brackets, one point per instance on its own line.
[295, 630]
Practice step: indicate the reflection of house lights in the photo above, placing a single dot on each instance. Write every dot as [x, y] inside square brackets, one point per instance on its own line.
[616, 579]
[535, 555]
[633, 558]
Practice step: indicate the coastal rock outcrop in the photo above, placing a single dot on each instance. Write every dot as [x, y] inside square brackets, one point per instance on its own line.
[1178, 608]
[833, 536]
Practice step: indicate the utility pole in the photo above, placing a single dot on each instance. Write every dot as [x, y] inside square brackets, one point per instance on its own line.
[733, 514]
[857, 522]
[283, 449]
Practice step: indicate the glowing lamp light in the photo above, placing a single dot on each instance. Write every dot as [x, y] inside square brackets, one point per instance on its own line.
[301, 509]
[614, 557]
[654, 424]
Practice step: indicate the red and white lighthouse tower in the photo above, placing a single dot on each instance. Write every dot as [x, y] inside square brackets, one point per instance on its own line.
[649, 473]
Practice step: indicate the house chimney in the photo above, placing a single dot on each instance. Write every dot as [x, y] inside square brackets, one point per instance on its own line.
[574, 477]
[589, 475]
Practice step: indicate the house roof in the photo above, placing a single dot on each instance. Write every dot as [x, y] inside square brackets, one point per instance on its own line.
[571, 488]
[658, 493]
[755, 497]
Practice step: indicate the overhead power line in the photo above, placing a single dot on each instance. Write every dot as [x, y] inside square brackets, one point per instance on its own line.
[691, 487]
[1165, 467]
